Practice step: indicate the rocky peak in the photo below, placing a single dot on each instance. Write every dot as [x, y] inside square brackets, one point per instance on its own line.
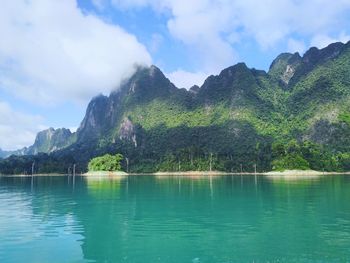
[233, 70]
[315, 55]
[95, 117]
[225, 77]
[153, 75]
[105, 113]
[153, 70]
[284, 66]
[194, 89]
[50, 140]
[146, 84]
[231, 81]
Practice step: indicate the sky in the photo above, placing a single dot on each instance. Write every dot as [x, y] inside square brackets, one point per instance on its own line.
[56, 55]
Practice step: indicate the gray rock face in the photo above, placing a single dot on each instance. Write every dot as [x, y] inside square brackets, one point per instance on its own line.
[46, 141]
[194, 89]
[105, 114]
[315, 57]
[50, 140]
[5, 154]
[127, 131]
[284, 66]
[95, 118]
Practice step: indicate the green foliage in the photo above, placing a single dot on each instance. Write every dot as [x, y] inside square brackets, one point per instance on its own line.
[307, 155]
[187, 160]
[296, 116]
[345, 117]
[290, 162]
[106, 162]
[44, 163]
[344, 160]
[288, 157]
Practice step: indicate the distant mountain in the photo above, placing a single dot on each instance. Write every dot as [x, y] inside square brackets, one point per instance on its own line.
[296, 115]
[3, 154]
[51, 140]
[46, 141]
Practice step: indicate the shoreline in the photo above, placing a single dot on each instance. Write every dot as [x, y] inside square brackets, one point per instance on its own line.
[287, 173]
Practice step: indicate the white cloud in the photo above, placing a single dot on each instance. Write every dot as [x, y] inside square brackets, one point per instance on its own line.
[213, 27]
[296, 46]
[201, 29]
[322, 41]
[200, 25]
[185, 79]
[17, 129]
[155, 42]
[50, 51]
[73, 129]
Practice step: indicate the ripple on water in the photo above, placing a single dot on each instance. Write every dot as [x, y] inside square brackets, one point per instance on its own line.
[145, 219]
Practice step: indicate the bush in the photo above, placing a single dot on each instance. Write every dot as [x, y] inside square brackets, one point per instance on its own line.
[290, 162]
[106, 162]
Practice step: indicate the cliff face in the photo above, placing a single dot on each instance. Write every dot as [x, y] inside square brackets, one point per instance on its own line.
[46, 141]
[106, 116]
[96, 118]
[5, 154]
[50, 140]
[284, 66]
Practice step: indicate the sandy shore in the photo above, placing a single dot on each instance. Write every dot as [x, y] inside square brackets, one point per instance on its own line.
[29, 175]
[101, 173]
[272, 173]
[191, 173]
[287, 173]
[302, 173]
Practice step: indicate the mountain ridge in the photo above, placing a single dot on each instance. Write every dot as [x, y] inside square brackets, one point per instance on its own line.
[241, 115]
[46, 141]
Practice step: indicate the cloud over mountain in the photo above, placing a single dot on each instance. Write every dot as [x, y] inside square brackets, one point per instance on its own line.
[50, 51]
[213, 29]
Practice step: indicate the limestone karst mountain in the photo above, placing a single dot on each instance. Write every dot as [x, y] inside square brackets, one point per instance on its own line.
[296, 113]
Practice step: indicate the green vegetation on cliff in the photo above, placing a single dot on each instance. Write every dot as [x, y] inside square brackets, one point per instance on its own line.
[296, 116]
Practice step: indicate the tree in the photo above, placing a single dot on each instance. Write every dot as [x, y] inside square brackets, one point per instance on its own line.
[106, 162]
[290, 162]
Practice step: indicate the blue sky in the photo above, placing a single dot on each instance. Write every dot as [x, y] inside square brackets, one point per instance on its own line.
[56, 55]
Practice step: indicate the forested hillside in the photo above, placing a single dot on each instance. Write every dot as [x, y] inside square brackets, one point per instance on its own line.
[295, 116]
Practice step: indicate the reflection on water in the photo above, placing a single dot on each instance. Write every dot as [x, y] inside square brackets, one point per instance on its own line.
[174, 219]
[295, 178]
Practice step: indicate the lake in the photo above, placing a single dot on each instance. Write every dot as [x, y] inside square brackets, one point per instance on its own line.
[174, 219]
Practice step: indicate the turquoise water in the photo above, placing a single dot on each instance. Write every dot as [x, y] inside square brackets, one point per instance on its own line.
[174, 219]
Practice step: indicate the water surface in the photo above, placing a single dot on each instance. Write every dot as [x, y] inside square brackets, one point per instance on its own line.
[174, 219]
